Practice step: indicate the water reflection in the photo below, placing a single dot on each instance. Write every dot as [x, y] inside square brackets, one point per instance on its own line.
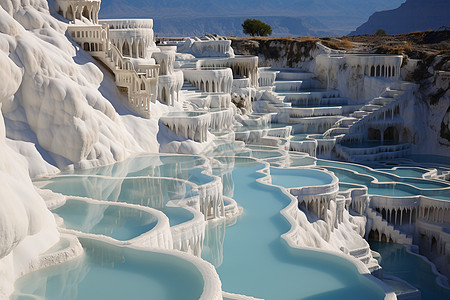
[213, 244]
[121, 223]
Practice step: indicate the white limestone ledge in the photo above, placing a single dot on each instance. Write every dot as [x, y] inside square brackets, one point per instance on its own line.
[70, 248]
[222, 119]
[255, 136]
[207, 48]
[165, 60]
[128, 23]
[372, 153]
[308, 146]
[232, 210]
[169, 87]
[243, 66]
[210, 79]
[188, 236]
[191, 125]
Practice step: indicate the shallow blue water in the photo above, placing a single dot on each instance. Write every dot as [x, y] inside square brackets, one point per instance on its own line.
[396, 185]
[111, 272]
[151, 192]
[407, 172]
[257, 262]
[250, 256]
[292, 178]
[118, 222]
[177, 215]
[396, 261]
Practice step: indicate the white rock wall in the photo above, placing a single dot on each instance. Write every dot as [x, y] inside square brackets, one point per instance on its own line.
[27, 228]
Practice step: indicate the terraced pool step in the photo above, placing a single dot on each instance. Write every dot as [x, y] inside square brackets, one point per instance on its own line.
[383, 227]
[371, 107]
[296, 85]
[360, 114]
[293, 75]
[382, 101]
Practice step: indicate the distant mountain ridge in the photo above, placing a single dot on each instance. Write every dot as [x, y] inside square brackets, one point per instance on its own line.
[307, 17]
[413, 15]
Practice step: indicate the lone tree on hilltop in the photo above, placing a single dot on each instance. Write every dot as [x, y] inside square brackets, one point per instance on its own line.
[255, 27]
[380, 32]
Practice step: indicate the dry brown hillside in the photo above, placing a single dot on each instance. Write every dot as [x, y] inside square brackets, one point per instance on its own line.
[414, 45]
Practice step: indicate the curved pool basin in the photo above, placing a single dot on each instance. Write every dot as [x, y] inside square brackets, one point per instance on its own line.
[178, 215]
[296, 178]
[398, 262]
[396, 186]
[406, 172]
[176, 166]
[383, 176]
[107, 271]
[119, 222]
[151, 192]
[257, 262]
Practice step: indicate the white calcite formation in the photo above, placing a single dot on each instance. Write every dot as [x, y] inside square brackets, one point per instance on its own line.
[54, 108]
[133, 37]
[207, 48]
[61, 109]
[58, 104]
[27, 228]
[354, 74]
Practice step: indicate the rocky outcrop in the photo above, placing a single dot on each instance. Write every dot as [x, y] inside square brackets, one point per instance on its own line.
[445, 126]
[280, 52]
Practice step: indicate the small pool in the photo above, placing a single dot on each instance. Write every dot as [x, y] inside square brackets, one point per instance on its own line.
[264, 126]
[178, 215]
[370, 144]
[398, 262]
[300, 137]
[406, 172]
[435, 159]
[392, 185]
[299, 161]
[183, 114]
[151, 192]
[295, 178]
[111, 272]
[119, 222]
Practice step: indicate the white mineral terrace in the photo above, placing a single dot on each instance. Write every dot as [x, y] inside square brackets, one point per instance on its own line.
[207, 48]
[190, 125]
[216, 80]
[133, 37]
[75, 9]
[61, 113]
[241, 65]
[367, 64]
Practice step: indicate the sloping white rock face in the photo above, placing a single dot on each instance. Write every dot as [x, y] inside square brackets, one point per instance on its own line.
[53, 111]
[58, 105]
[27, 228]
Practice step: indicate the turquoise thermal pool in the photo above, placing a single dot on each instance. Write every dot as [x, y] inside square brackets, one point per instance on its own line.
[106, 271]
[151, 192]
[249, 254]
[178, 215]
[295, 178]
[119, 222]
[267, 266]
[396, 261]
